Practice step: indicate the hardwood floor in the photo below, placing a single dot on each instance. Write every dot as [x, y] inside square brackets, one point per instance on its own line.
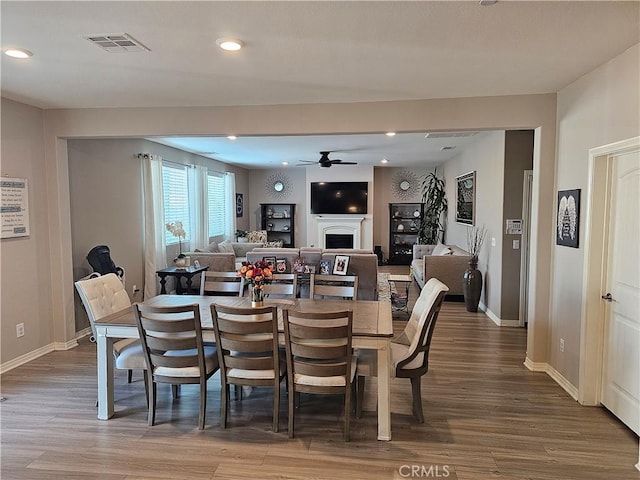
[486, 417]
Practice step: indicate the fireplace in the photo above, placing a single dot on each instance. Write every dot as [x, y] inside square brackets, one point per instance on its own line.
[339, 240]
[339, 229]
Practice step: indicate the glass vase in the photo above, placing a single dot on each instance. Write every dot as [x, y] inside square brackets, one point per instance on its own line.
[257, 296]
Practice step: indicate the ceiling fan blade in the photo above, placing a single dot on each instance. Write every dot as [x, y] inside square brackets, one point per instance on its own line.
[341, 162]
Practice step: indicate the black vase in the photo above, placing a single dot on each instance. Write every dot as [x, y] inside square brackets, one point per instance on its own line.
[472, 285]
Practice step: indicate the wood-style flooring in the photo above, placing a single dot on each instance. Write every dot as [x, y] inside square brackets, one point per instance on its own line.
[486, 417]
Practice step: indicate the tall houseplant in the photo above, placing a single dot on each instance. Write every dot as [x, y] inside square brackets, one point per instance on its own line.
[434, 197]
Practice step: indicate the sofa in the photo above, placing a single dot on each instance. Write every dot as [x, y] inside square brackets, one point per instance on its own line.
[447, 263]
[363, 263]
[254, 239]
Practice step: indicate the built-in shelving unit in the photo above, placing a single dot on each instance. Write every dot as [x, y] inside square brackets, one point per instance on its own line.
[278, 219]
[404, 224]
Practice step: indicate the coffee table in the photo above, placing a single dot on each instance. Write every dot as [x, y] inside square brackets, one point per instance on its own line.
[399, 299]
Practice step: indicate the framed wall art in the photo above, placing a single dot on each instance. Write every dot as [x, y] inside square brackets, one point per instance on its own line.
[239, 205]
[568, 221]
[466, 198]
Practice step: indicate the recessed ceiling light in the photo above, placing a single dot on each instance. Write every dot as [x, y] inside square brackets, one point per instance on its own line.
[230, 44]
[18, 53]
[285, 163]
[232, 137]
[486, 3]
[384, 160]
[390, 134]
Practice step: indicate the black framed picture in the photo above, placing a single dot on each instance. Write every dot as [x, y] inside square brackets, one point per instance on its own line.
[466, 198]
[281, 265]
[568, 222]
[271, 262]
[325, 267]
[239, 205]
[341, 264]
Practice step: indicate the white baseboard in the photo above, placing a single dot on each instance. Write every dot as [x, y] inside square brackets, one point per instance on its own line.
[554, 374]
[52, 347]
[497, 320]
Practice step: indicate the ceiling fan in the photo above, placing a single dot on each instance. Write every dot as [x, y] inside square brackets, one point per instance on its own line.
[325, 162]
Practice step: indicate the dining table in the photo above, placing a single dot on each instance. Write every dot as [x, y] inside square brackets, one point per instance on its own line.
[372, 329]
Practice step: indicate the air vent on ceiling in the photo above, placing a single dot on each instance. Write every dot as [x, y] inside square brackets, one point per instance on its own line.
[447, 147]
[117, 43]
[449, 134]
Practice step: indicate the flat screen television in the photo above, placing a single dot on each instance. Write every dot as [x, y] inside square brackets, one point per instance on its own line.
[339, 197]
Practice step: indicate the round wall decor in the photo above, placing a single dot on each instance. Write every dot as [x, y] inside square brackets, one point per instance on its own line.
[277, 185]
[405, 185]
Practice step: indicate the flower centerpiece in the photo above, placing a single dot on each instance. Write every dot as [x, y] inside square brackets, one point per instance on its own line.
[257, 275]
[177, 230]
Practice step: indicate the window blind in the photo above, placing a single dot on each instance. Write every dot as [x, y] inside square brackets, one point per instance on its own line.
[216, 204]
[176, 199]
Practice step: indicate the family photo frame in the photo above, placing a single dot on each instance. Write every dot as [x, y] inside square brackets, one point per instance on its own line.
[340, 265]
[466, 198]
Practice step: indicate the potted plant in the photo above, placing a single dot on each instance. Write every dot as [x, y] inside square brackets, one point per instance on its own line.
[432, 226]
[472, 279]
[241, 235]
[177, 230]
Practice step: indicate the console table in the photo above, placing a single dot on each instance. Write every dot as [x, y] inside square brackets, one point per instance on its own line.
[178, 273]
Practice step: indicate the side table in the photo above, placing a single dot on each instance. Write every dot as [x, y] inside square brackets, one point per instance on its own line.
[178, 273]
[400, 300]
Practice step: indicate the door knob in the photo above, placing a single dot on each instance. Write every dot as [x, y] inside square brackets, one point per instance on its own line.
[608, 297]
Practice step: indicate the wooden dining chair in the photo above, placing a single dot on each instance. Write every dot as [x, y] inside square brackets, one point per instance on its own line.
[248, 353]
[283, 285]
[410, 349]
[103, 295]
[320, 359]
[220, 283]
[174, 351]
[343, 286]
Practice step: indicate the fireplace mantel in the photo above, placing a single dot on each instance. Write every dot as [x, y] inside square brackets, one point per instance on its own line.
[337, 225]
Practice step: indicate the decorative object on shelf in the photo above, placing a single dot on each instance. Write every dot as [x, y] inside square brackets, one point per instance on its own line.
[434, 196]
[177, 230]
[239, 205]
[465, 198]
[341, 264]
[285, 214]
[404, 184]
[413, 226]
[277, 185]
[568, 222]
[270, 212]
[270, 227]
[416, 213]
[400, 227]
[256, 275]
[472, 279]
[285, 228]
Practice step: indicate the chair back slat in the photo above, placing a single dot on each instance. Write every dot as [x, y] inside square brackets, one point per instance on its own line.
[220, 283]
[344, 286]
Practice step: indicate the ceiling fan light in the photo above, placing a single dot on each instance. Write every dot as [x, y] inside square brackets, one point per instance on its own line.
[231, 137]
[230, 44]
[390, 134]
[20, 53]
[384, 160]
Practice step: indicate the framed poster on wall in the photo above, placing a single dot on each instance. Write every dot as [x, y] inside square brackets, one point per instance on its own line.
[568, 222]
[14, 207]
[466, 198]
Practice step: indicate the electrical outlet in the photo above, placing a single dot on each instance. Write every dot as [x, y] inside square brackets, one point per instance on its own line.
[561, 345]
[20, 330]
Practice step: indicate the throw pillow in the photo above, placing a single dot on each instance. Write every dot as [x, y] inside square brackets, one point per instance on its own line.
[202, 250]
[257, 236]
[213, 247]
[225, 247]
[274, 244]
[441, 249]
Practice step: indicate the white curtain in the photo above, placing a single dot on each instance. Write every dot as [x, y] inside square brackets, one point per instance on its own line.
[230, 206]
[200, 213]
[155, 255]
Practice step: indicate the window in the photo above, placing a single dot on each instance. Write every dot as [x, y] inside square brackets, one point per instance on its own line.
[176, 199]
[216, 204]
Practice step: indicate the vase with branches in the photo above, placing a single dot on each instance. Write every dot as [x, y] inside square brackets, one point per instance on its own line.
[434, 197]
[472, 279]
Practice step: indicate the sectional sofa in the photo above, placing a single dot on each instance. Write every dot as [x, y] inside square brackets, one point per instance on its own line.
[447, 263]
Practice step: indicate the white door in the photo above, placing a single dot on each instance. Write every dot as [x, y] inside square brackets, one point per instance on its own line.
[621, 369]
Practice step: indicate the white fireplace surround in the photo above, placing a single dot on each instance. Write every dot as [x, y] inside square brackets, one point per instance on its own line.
[339, 226]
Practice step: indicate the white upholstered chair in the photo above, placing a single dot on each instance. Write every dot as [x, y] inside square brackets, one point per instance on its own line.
[410, 349]
[103, 295]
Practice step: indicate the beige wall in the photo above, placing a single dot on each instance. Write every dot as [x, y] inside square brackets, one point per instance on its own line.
[491, 113]
[600, 108]
[24, 261]
[487, 160]
[518, 157]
